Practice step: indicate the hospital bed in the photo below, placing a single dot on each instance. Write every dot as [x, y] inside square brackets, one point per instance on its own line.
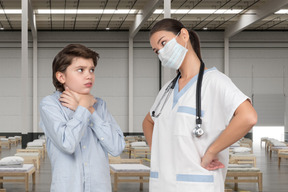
[30, 158]
[128, 170]
[5, 142]
[139, 149]
[243, 170]
[39, 145]
[18, 174]
[37, 151]
[13, 141]
[282, 153]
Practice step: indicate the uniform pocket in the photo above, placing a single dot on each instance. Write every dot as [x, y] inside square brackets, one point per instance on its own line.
[184, 121]
[154, 182]
[195, 182]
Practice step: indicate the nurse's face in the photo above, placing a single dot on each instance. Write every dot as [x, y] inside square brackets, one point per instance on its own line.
[79, 76]
[159, 39]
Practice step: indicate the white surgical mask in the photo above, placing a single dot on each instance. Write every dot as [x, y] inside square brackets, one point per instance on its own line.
[172, 54]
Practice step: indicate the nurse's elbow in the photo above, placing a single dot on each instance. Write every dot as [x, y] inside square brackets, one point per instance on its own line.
[252, 118]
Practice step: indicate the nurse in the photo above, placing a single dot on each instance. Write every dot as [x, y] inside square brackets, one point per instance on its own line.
[181, 160]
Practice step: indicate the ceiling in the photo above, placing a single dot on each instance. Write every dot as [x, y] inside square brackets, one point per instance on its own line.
[100, 21]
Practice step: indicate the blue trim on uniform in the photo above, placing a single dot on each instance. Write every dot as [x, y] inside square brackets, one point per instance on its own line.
[189, 110]
[195, 178]
[154, 174]
[178, 95]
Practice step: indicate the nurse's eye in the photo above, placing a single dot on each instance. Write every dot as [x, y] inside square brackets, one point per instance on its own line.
[163, 43]
[80, 70]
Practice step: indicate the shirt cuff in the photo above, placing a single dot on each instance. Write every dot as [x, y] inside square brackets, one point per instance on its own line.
[97, 119]
[81, 113]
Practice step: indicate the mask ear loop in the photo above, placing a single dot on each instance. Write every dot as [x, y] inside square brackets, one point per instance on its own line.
[178, 35]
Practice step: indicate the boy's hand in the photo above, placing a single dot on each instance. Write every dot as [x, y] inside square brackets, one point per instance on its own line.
[72, 100]
[69, 99]
[87, 101]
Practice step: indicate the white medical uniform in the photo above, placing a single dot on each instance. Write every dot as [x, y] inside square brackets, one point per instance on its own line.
[176, 152]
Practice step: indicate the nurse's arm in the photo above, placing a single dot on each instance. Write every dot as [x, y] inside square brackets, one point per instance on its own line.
[245, 117]
[147, 126]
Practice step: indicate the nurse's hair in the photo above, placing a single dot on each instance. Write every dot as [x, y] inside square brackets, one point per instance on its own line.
[65, 57]
[175, 27]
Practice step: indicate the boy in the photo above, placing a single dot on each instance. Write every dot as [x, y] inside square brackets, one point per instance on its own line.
[79, 129]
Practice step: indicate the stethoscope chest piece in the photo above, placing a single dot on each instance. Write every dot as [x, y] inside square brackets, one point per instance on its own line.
[198, 131]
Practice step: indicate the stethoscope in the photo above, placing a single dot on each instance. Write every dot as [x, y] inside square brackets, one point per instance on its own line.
[197, 131]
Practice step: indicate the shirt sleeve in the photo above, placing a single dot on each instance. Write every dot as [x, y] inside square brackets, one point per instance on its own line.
[65, 133]
[231, 97]
[107, 130]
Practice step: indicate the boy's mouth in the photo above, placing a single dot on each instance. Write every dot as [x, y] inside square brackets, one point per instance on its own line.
[88, 85]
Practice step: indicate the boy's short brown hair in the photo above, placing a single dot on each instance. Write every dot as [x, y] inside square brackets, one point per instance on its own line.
[64, 58]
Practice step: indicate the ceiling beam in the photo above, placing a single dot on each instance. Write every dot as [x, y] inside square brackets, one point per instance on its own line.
[142, 17]
[32, 20]
[254, 15]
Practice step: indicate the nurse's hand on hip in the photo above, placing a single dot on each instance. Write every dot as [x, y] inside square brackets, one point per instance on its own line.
[210, 162]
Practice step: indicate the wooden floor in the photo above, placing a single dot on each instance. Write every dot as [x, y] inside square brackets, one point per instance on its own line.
[274, 179]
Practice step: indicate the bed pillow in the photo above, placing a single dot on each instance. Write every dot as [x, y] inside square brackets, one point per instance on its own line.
[11, 160]
[236, 144]
[279, 144]
[35, 144]
[241, 149]
[138, 144]
[39, 140]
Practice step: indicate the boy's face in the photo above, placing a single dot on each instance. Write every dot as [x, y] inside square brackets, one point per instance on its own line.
[79, 76]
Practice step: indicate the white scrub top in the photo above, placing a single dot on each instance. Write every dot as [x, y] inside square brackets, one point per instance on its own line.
[176, 153]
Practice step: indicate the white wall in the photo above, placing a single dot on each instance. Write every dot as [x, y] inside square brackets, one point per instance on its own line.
[265, 51]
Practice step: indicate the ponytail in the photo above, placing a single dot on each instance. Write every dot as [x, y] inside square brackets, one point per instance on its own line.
[195, 42]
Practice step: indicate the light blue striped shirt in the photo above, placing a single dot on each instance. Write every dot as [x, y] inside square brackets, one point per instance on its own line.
[78, 144]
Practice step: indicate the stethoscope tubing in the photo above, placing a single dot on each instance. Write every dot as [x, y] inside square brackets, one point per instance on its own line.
[198, 131]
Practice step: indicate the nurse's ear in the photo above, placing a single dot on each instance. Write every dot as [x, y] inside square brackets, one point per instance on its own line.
[184, 34]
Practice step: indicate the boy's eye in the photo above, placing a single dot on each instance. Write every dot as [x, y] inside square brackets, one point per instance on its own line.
[92, 70]
[80, 70]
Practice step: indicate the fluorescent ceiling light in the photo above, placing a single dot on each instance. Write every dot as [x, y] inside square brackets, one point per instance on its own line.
[200, 11]
[131, 11]
[11, 11]
[282, 11]
[86, 11]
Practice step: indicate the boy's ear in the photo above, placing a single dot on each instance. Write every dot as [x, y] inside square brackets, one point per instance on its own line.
[60, 77]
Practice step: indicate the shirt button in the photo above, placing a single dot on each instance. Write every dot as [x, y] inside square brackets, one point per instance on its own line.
[102, 138]
[85, 164]
[84, 147]
[91, 124]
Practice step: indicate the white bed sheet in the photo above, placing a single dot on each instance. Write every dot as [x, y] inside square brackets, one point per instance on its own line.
[25, 168]
[130, 168]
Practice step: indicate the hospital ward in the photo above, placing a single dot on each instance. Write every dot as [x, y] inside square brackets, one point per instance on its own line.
[144, 96]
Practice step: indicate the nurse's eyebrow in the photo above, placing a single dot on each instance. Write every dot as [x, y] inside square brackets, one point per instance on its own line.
[158, 42]
[160, 39]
